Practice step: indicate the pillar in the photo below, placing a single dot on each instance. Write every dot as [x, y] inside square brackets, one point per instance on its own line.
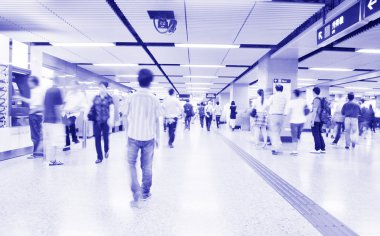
[282, 71]
[239, 94]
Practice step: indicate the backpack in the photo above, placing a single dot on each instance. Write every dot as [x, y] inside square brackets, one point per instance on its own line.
[325, 111]
[188, 110]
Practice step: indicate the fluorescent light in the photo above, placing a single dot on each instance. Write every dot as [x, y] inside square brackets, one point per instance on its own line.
[357, 88]
[305, 79]
[83, 44]
[198, 83]
[127, 76]
[188, 45]
[204, 66]
[372, 51]
[115, 65]
[330, 69]
[196, 88]
[201, 76]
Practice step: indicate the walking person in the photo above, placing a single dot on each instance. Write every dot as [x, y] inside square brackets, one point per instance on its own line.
[338, 120]
[36, 103]
[201, 113]
[297, 110]
[316, 123]
[102, 114]
[276, 103]
[233, 114]
[351, 113]
[260, 119]
[75, 103]
[373, 119]
[209, 111]
[189, 113]
[218, 113]
[53, 127]
[172, 111]
[143, 129]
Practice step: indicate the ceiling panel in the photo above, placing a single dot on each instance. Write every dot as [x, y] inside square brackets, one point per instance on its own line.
[176, 70]
[326, 59]
[64, 54]
[204, 56]
[170, 55]
[203, 71]
[367, 39]
[130, 54]
[136, 12]
[217, 21]
[244, 56]
[326, 74]
[231, 71]
[270, 22]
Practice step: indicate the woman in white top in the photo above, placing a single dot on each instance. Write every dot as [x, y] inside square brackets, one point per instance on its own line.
[261, 118]
[297, 109]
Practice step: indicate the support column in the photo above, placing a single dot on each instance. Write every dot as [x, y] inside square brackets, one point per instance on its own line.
[282, 71]
[239, 94]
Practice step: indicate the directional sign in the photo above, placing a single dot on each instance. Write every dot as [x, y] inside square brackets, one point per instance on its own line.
[343, 21]
[210, 95]
[371, 7]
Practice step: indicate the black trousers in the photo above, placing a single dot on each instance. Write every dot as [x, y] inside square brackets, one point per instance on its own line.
[319, 143]
[208, 122]
[187, 121]
[71, 130]
[202, 120]
[339, 130]
[35, 124]
[101, 130]
[171, 130]
[217, 117]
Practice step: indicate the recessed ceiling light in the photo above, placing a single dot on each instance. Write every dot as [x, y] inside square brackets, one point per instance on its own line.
[305, 79]
[197, 88]
[330, 69]
[201, 76]
[357, 88]
[127, 76]
[371, 51]
[198, 83]
[114, 65]
[189, 45]
[83, 44]
[204, 66]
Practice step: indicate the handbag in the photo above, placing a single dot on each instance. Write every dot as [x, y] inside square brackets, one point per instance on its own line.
[306, 110]
[253, 112]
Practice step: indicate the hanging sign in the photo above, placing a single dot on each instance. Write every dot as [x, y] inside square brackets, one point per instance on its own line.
[343, 21]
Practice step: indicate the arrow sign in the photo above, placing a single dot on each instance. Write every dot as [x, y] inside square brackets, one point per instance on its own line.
[320, 35]
[371, 3]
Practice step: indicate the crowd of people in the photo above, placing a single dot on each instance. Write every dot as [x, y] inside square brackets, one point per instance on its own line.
[53, 115]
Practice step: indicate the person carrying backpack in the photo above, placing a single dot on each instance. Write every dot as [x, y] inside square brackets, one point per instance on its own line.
[189, 112]
[319, 115]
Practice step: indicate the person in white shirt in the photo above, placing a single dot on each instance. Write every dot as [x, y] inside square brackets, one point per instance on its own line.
[76, 103]
[338, 118]
[297, 110]
[143, 130]
[209, 111]
[276, 104]
[218, 113]
[260, 120]
[172, 111]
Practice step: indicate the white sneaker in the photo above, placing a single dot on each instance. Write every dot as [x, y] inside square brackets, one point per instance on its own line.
[316, 152]
[294, 153]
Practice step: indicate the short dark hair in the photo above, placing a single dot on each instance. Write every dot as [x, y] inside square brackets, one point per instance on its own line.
[145, 78]
[350, 96]
[35, 80]
[217, 103]
[104, 83]
[297, 93]
[171, 91]
[233, 103]
[279, 88]
[317, 90]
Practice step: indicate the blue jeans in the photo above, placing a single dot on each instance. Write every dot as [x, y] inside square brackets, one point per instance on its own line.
[147, 151]
[187, 121]
[35, 123]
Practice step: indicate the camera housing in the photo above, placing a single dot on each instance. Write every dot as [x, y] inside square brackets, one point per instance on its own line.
[163, 21]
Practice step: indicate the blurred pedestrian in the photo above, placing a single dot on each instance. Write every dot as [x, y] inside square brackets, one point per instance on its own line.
[172, 111]
[233, 114]
[143, 129]
[201, 113]
[351, 112]
[218, 113]
[102, 114]
[53, 127]
[189, 113]
[209, 111]
[260, 118]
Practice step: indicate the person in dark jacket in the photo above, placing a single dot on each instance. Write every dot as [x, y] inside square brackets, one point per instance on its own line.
[201, 113]
[189, 113]
[233, 114]
[351, 112]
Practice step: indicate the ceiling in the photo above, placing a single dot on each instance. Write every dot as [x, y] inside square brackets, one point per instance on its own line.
[199, 22]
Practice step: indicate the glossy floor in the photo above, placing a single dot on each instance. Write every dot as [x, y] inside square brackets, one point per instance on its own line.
[201, 187]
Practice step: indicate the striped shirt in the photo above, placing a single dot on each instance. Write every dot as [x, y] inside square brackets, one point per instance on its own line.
[142, 110]
[277, 104]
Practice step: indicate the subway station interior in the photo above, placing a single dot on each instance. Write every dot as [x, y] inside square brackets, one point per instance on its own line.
[253, 168]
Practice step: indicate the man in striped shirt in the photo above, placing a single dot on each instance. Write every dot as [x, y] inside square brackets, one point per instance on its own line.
[142, 111]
